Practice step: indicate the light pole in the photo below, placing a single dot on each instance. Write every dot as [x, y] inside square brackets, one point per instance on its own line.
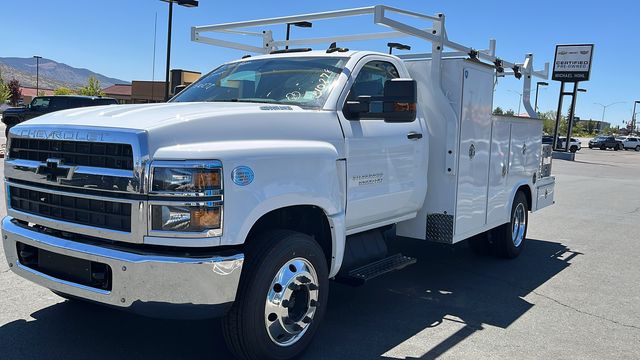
[185, 3]
[519, 101]
[37, 72]
[604, 107]
[540, 83]
[633, 116]
[302, 24]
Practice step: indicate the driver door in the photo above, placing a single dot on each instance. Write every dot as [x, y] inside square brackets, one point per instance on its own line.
[386, 162]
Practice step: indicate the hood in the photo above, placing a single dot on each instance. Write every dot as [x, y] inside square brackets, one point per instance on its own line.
[174, 124]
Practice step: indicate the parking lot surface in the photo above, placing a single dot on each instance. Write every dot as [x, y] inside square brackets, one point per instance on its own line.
[572, 294]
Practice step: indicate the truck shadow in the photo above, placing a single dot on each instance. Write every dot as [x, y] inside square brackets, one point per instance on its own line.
[448, 284]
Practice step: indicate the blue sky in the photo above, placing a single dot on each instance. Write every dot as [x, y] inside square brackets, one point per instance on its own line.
[115, 37]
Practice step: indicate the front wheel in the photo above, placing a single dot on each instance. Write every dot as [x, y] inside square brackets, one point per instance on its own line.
[573, 149]
[509, 238]
[638, 148]
[603, 147]
[281, 299]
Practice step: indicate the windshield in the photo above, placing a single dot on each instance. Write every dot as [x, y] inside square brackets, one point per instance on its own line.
[303, 81]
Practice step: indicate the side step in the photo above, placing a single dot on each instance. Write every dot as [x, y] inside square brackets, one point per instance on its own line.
[362, 274]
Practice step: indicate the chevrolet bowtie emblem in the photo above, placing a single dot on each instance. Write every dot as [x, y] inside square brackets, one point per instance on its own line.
[54, 170]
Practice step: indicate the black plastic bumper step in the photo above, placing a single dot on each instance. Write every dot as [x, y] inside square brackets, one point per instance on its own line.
[362, 274]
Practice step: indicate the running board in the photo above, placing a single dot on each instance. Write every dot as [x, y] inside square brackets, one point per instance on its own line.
[362, 274]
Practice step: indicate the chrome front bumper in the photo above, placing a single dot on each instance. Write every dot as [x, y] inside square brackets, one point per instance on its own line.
[175, 287]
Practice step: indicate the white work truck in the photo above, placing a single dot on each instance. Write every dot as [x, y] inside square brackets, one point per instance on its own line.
[272, 175]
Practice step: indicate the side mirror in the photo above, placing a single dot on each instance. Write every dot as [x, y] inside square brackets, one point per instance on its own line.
[178, 89]
[398, 104]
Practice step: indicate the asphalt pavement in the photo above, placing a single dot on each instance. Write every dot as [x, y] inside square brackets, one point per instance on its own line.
[572, 294]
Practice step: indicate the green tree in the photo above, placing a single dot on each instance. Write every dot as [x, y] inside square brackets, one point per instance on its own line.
[92, 88]
[498, 111]
[510, 112]
[4, 91]
[591, 125]
[15, 93]
[63, 91]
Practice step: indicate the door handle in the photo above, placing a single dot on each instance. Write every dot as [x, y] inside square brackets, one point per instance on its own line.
[414, 136]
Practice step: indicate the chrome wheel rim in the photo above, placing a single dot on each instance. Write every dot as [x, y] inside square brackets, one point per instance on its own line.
[291, 302]
[518, 224]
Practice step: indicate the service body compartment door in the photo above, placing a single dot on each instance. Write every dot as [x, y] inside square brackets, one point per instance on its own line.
[473, 164]
[498, 193]
[545, 193]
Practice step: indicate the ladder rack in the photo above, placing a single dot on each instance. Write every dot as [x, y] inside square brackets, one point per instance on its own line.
[436, 34]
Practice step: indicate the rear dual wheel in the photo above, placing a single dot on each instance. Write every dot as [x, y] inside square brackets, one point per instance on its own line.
[506, 240]
[281, 299]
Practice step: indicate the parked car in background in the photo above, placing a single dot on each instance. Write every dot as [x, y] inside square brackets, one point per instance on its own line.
[41, 105]
[574, 144]
[605, 142]
[547, 139]
[631, 142]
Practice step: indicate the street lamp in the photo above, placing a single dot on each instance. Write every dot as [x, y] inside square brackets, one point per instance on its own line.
[540, 83]
[519, 102]
[302, 24]
[185, 3]
[604, 107]
[633, 116]
[37, 72]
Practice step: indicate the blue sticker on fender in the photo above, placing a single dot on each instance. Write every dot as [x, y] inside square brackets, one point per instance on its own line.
[242, 175]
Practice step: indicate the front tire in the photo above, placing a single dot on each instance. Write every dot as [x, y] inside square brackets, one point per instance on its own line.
[638, 148]
[510, 237]
[281, 299]
[573, 149]
[603, 147]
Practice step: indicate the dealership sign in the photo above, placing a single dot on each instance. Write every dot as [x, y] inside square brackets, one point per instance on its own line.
[572, 63]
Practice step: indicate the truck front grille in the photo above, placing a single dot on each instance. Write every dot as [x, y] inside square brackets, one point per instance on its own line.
[104, 155]
[97, 213]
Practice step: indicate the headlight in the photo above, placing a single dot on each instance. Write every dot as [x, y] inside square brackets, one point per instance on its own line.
[203, 180]
[173, 185]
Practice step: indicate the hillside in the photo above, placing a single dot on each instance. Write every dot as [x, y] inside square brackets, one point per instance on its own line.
[52, 74]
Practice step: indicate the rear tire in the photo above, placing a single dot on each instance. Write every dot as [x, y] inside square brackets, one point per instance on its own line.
[280, 265]
[509, 238]
[638, 148]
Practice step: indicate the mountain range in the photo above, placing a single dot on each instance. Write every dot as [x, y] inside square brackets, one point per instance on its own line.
[52, 74]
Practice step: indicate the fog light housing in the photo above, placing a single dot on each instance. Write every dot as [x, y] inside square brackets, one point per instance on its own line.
[185, 218]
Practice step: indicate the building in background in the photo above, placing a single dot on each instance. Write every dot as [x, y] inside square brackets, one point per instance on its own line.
[120, 92]
[143, 92]
[28, 93]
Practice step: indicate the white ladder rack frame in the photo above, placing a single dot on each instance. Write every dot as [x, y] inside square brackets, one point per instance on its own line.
[436, 34]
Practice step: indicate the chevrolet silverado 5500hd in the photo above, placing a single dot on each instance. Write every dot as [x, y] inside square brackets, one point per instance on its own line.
[254, 186]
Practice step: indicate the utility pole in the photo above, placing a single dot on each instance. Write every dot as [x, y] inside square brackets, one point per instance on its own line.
[185, 3]
[37, 73]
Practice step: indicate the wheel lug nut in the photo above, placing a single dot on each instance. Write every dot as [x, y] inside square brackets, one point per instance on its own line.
[313, 303]
[285, 303]
[313, 286]
[304, 279]
[294, 287]
[306, 320]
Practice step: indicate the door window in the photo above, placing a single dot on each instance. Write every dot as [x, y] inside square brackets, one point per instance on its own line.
[370, 81]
